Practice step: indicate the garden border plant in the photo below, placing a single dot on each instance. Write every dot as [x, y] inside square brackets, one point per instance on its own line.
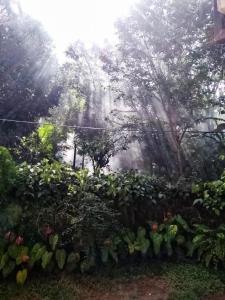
[53, 219]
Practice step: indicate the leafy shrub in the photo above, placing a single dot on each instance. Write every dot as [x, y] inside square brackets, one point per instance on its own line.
[44, 143]
[10, 217]
[137, 197]
[51, 191]
[53, 194]
[40, 190]
[7, 171]
[102, 219]
[209, 245]
[171, 237]
[15, 257]
[44, 182]
[211, 195]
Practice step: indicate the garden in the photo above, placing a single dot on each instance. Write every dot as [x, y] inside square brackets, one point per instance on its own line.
[57, 222]
[112, 163]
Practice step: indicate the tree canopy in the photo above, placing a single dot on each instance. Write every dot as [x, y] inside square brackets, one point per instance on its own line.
[27, 67]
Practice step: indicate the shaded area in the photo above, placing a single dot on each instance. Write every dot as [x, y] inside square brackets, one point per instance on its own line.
[150, 281]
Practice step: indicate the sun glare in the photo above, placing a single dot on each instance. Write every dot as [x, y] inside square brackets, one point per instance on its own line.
[91, 21]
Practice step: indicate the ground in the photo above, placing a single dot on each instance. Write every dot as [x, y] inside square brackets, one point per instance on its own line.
[153, 282]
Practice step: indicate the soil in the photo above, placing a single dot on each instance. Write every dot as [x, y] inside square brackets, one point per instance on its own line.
[144, 288]
[216, 297]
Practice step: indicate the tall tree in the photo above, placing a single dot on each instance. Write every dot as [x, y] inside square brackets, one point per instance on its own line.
[167, 71]
[85, 102]
[27, 67]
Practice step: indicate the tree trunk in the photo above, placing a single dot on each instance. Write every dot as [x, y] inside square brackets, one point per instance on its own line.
[74, 156]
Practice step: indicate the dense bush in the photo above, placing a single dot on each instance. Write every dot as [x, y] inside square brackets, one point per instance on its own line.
[140, 198]
[173, 238]
[52, 194]
[83, 207]
[7, 171]
[55, 218]
[211, 195]
[44, 142]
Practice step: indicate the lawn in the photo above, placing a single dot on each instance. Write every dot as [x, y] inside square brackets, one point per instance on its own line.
[158, 282]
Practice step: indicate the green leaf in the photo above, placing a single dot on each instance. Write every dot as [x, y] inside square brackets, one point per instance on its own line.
[157, 240]
[131, 248]
[198, 238]
[35, 249]
[145, 246]
[21, 277]
[221, 235]
[60, 257]
[46, 258]
[40, 252]
[172, 231]
[183, 223]
[53, 241]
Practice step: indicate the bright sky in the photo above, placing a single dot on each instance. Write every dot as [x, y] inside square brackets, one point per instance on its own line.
[91, 21]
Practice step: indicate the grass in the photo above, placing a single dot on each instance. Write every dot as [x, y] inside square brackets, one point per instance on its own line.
[192, 282]
[186, 281]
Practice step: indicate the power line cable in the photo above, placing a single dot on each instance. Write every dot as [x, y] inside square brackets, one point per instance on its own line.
[48, 123]
[103, 128]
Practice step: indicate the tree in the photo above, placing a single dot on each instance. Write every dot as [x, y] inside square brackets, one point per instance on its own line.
[46, 142]
[27, 68]
[100, 146]
[166, 71]
[82, 104]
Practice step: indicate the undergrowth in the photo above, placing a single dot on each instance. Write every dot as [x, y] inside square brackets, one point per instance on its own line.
[186, 281]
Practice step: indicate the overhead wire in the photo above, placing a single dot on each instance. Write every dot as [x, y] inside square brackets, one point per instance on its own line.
[104, 128]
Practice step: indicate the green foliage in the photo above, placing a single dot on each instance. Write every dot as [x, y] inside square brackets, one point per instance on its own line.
[137, 197]
[54, 195]
[25, 49]
[110, 249]
[44, 143]
[173, 99]
[10, 217]
[21, 277]
[53, 241]
[7, 171]
[171, 237]
[138, 242]
[100, 146]
[60, 257]
[211, 195]
[44, 181]
[192, 282]
[76, 221]
[46, 259]
[209, 245]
